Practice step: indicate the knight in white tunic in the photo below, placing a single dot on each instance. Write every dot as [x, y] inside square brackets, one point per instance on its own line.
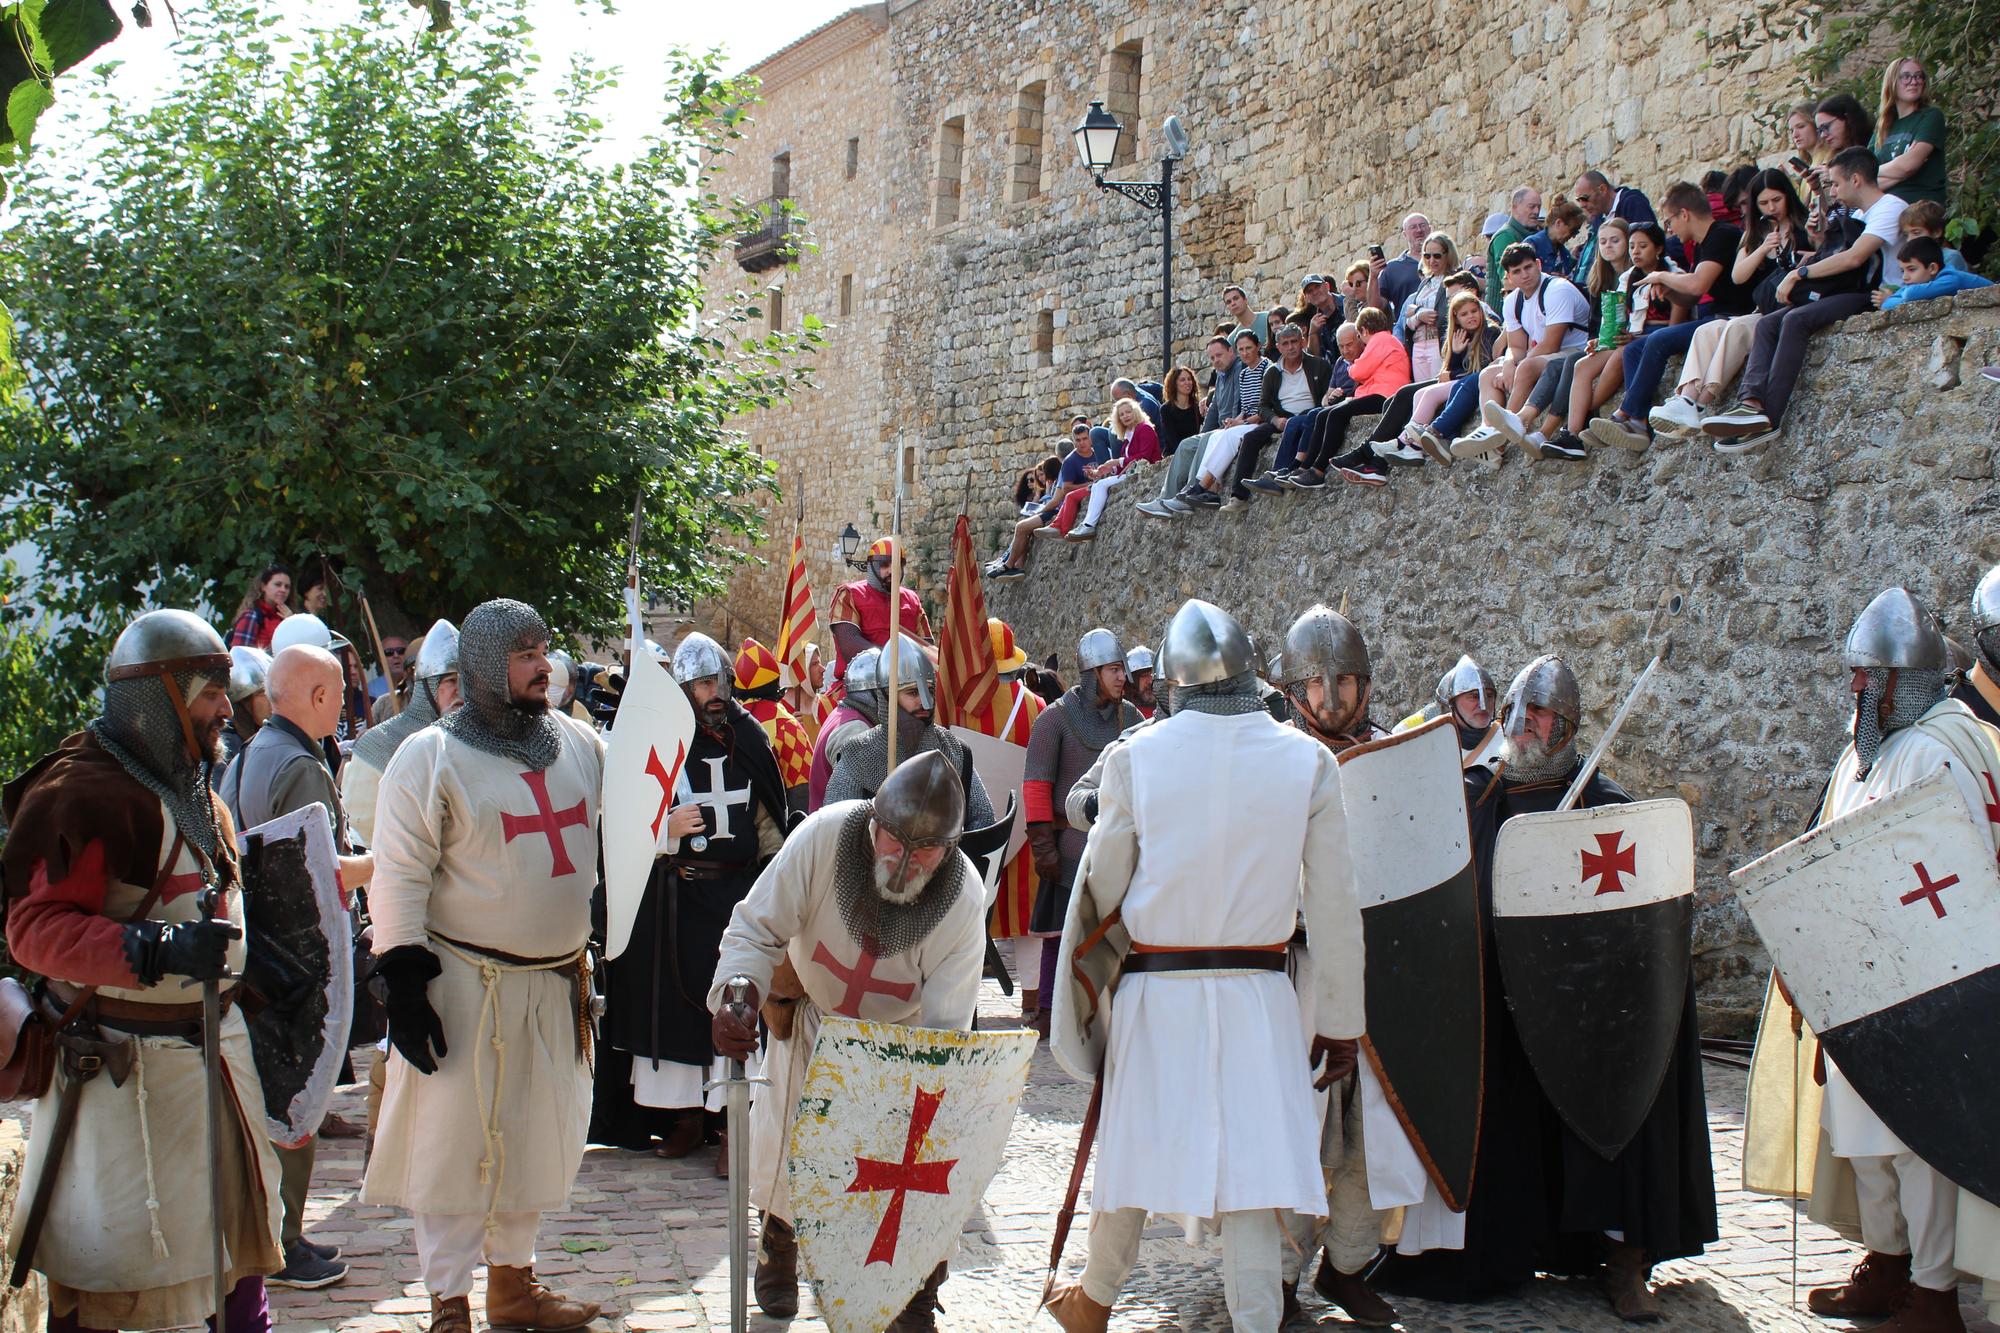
[883, 919]
[486, 857]
[1920, 1230]
[1203, 1049]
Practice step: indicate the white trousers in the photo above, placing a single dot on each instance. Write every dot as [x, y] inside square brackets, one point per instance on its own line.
[1098, 490]
[1250, 1283]
[1028, 959]
[1222, 447]
[451, 1245]
[1908, 1208]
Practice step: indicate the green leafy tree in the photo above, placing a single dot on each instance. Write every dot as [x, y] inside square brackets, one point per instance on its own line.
[373, 295]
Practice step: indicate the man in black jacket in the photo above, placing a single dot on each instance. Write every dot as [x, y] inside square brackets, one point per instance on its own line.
[1293, 385]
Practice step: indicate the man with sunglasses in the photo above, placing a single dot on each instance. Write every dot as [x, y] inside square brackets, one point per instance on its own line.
[885, 920]
[390, 692]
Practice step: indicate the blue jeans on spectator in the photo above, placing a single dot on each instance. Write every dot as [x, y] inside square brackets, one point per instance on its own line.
[1646, 362]
[1459, 409]
[1297, 441]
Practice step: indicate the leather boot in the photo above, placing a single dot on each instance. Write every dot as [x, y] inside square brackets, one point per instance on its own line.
[1875, 1287]
[686, 1135]
[920, 1315]
[1076, 1312]
[1292, 1308]
[514, 1299]
[452, 1316]
[1353, 1295]
[777, 1280]
[1625, 1274]
[1926, 1311]
[1031, 1007]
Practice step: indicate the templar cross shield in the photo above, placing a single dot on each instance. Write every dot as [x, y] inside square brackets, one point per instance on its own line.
[642, 768]
[899, 1132]
[1885, 924]
[1593, 912]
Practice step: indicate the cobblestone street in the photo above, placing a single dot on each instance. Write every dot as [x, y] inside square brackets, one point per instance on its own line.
[646, 1237]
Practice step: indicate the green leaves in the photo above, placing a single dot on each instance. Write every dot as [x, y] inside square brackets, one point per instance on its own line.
[372, 297]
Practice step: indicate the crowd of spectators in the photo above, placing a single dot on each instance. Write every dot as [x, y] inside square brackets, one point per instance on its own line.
[1554, 336]
[268, 606]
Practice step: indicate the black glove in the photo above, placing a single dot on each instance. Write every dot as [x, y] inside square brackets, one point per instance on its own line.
[198, 949]
[1339, 1053]
[414, 1028]
[1090, 808]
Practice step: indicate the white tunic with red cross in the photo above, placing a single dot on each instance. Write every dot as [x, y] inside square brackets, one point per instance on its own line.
[476, 855]
[793, 910]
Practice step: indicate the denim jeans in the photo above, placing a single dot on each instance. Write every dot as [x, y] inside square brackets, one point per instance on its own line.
[1459, 409]
[1646, 363]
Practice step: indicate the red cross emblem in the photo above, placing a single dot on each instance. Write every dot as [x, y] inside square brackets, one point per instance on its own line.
[664, 775]
[1605, 864]
[547, 821]
[1928, 888]
[859, 980]
[873, 1177]
[1993, 805]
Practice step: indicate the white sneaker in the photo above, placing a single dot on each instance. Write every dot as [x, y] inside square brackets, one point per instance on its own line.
[1479, 444]
[1398, 451]
[1678, 418]
[1083, 532]
[1532, 444]
[1507, 423]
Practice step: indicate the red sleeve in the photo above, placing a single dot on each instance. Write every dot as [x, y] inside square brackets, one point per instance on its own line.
[1038, 801]
[57, 928]
[1145, 445]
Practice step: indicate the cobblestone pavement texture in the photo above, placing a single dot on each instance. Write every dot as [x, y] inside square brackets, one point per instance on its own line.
[647, 1237]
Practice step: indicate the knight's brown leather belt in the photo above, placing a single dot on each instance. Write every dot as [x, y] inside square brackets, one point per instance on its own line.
[1243, 957]
[562, 962]
[138, 1018]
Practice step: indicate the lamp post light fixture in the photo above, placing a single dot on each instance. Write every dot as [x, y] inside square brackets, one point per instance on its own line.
[1097, 141]
[849, 542]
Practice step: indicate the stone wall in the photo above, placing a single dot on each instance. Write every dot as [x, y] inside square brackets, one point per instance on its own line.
[22, 1309]
[1885, 475]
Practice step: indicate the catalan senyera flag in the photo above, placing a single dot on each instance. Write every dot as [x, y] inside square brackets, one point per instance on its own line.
[797, 624]
[971, 695]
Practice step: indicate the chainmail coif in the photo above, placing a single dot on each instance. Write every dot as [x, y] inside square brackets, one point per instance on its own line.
[378, 745]
[140, 729]
[1224, 698]
[883, 928]
[1917, 692]
[490, 719]
[1539, 767]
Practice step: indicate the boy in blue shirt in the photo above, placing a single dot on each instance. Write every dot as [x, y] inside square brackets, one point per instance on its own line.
[1925, 275]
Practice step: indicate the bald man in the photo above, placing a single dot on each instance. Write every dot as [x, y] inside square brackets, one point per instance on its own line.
[283, 769]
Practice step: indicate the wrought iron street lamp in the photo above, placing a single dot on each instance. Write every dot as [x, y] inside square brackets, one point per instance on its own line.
[850, 542]
[1097, 141]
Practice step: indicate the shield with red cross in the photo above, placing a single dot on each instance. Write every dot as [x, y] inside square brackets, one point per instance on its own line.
[643, 762]
[899, 1131]
[1885, 924]
[1593, 914]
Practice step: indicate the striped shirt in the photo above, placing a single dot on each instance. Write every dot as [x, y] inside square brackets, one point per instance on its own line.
[1250, 388]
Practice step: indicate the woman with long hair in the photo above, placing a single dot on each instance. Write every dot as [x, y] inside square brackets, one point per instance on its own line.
[1773, 242]
[1601, 374]
[1909, 135]
[1029, 489]
[1141, 445]
[1180, 409]
[262, 607]
[1468, 350]
[1608, 264]
[1427, 314]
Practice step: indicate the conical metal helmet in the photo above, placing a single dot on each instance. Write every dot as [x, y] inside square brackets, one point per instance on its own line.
[439, 655]
[1322, 642]
[1204, 646]
[1139, 659]
[1960, 656]
[1098, 648]
[163, 642]
[699, 657]
[1548, 682]
[184, 655]
[1466, 677]
[248, 668]
[922, 803]
[863, 695]
[1986, 602]
[1897, 632]
[913, 667]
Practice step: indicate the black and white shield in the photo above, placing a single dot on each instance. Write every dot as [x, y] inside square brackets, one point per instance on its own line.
[301, 965]
[1885, 924]
[1406, 832]
[1593, 913]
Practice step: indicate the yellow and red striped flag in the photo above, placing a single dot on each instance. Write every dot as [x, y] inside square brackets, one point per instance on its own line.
[968, 684]
[796, 626]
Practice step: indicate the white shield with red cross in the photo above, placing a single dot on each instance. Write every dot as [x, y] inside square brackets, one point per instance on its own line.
[1593, 913]
[899, 1131]
[1885, 924]
[642, 768]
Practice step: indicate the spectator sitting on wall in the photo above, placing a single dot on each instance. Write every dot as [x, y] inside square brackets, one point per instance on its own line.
[1354, 284]
[1909, 135]
[1322, 316]
[1013, 562]
[1220, 446]
[1774, 242]
[1139, 444]
[1469, 348]
[1222, 407]
[1600, 200]
[1543, 318]
[1804, 135]
[1123, 387]
[1477, 267]
[1596, 375]
[1400, 277]
[1293, 384]
[1842, 279]
[1842, 123]
[1707, 290]
[1382, 368]
[1297, 437]
[1524, 216]
[1422, 316]
[1926, 218]
[258, 614]
[1180, 409]
[1925, 276]
[1551, 243]
[1736, 201]
[1033, 484]
[1236, 304]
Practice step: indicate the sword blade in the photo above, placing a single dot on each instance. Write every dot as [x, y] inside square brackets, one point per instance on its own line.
[1604, 742]
[211, 1041]
[739, 1198]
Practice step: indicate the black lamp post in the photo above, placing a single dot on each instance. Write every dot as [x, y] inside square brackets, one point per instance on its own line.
[1097, 145]
[850, 542]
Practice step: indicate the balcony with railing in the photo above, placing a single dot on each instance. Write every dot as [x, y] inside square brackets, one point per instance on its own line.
[770, 245]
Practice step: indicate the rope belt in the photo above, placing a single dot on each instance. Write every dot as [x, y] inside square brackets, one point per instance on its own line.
[492, 963]
[1225, 958]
